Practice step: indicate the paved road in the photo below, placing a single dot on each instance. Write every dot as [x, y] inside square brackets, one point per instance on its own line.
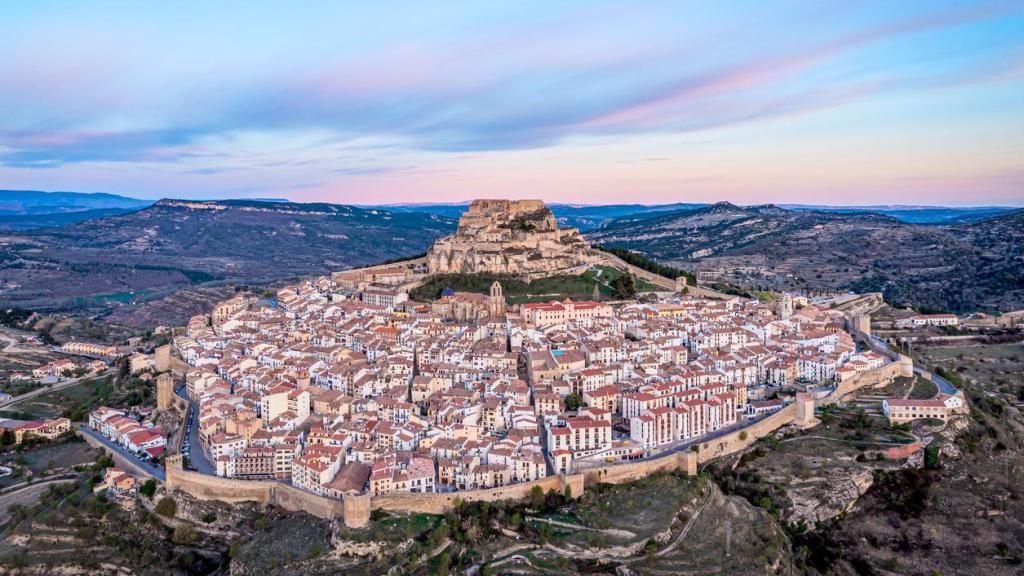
[196, 455]
[154, 471]
[47, 389]
[944, 385]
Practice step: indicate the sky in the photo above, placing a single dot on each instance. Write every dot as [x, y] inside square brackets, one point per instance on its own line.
[824, 102]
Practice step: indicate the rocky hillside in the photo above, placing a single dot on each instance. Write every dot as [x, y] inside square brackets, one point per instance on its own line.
[963, 267]
[175, 243]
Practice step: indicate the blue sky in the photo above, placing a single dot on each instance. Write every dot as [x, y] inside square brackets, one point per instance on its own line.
[815, 102]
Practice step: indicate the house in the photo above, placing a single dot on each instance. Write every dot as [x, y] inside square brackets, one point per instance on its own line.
[45, 429]
[942, 407]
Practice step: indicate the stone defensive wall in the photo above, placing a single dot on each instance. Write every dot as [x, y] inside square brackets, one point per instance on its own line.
[657, 279]
[119, 460]
[166, 361]
[439, 502]
[740, 439]
[637, 470]
[870, 378]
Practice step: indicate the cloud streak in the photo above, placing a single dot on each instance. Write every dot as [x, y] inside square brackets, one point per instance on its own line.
[328, 98]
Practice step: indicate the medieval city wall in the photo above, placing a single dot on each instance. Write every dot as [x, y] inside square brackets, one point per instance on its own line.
[633, 471]
[439, 502]
[355, 510]
[209, 487]
[740, 439]
[119, 460]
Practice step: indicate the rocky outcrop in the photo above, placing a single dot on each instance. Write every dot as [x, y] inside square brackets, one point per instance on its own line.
[519, 237]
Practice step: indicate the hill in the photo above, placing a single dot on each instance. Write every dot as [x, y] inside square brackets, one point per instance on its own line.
[960, 267]
[173, 244]
[35, 202]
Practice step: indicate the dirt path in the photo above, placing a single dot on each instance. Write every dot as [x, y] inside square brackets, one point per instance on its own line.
[609, 531]
[690, 522]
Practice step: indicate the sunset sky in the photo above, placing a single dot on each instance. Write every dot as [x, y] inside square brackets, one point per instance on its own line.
[822, 102]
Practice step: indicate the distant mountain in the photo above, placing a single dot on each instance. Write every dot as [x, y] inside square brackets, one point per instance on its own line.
[27, 209]
[32, 202]
[917, 214]
[177, 243]
[32, 221]
[581, 216]
[962, 267]
[589, 217]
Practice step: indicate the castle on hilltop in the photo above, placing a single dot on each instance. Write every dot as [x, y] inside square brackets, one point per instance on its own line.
[518, 237]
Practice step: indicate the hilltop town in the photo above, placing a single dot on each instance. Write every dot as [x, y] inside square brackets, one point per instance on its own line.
[344, 386]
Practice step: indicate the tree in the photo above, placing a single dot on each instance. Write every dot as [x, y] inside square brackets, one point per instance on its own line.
[568, 492]
[650, 548]
[624, 286]
[148, 488]
[573, 401]
[536, 497]
[167, 507]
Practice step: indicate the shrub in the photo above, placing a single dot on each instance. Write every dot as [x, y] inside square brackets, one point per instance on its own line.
[184, 534]
[167, 507]
[148, 488]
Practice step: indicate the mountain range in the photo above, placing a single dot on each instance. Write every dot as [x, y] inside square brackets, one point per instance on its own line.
[959, 267]
[26, 209]
[174, 243]
[171, 244]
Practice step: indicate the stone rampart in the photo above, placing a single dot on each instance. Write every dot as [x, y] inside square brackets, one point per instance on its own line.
[439, 502]
[119, 459]
[209, 487]
[740, 439]
[632, 471]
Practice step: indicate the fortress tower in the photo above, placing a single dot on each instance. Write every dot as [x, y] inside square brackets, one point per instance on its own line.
[164, 391]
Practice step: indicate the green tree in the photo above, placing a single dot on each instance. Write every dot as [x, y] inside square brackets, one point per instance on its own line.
[624, 287]
[148, 488]
[536, 497]
[573, 402]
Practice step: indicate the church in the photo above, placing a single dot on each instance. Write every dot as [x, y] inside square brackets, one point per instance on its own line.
[470, 306]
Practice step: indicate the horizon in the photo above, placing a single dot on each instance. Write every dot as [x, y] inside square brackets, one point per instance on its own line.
[570, 204]
[915, 104]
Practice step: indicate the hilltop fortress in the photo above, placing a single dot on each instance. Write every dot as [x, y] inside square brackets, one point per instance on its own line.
[519, 237]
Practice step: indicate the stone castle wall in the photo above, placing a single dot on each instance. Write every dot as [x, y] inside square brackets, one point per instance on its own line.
[633, 471]
[437, 503]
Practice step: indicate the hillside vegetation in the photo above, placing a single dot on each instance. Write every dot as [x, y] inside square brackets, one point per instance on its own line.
[964, 267]
[152, 252]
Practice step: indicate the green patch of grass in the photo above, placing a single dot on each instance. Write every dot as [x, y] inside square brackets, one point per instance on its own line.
[923, 389]
[578, 287]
